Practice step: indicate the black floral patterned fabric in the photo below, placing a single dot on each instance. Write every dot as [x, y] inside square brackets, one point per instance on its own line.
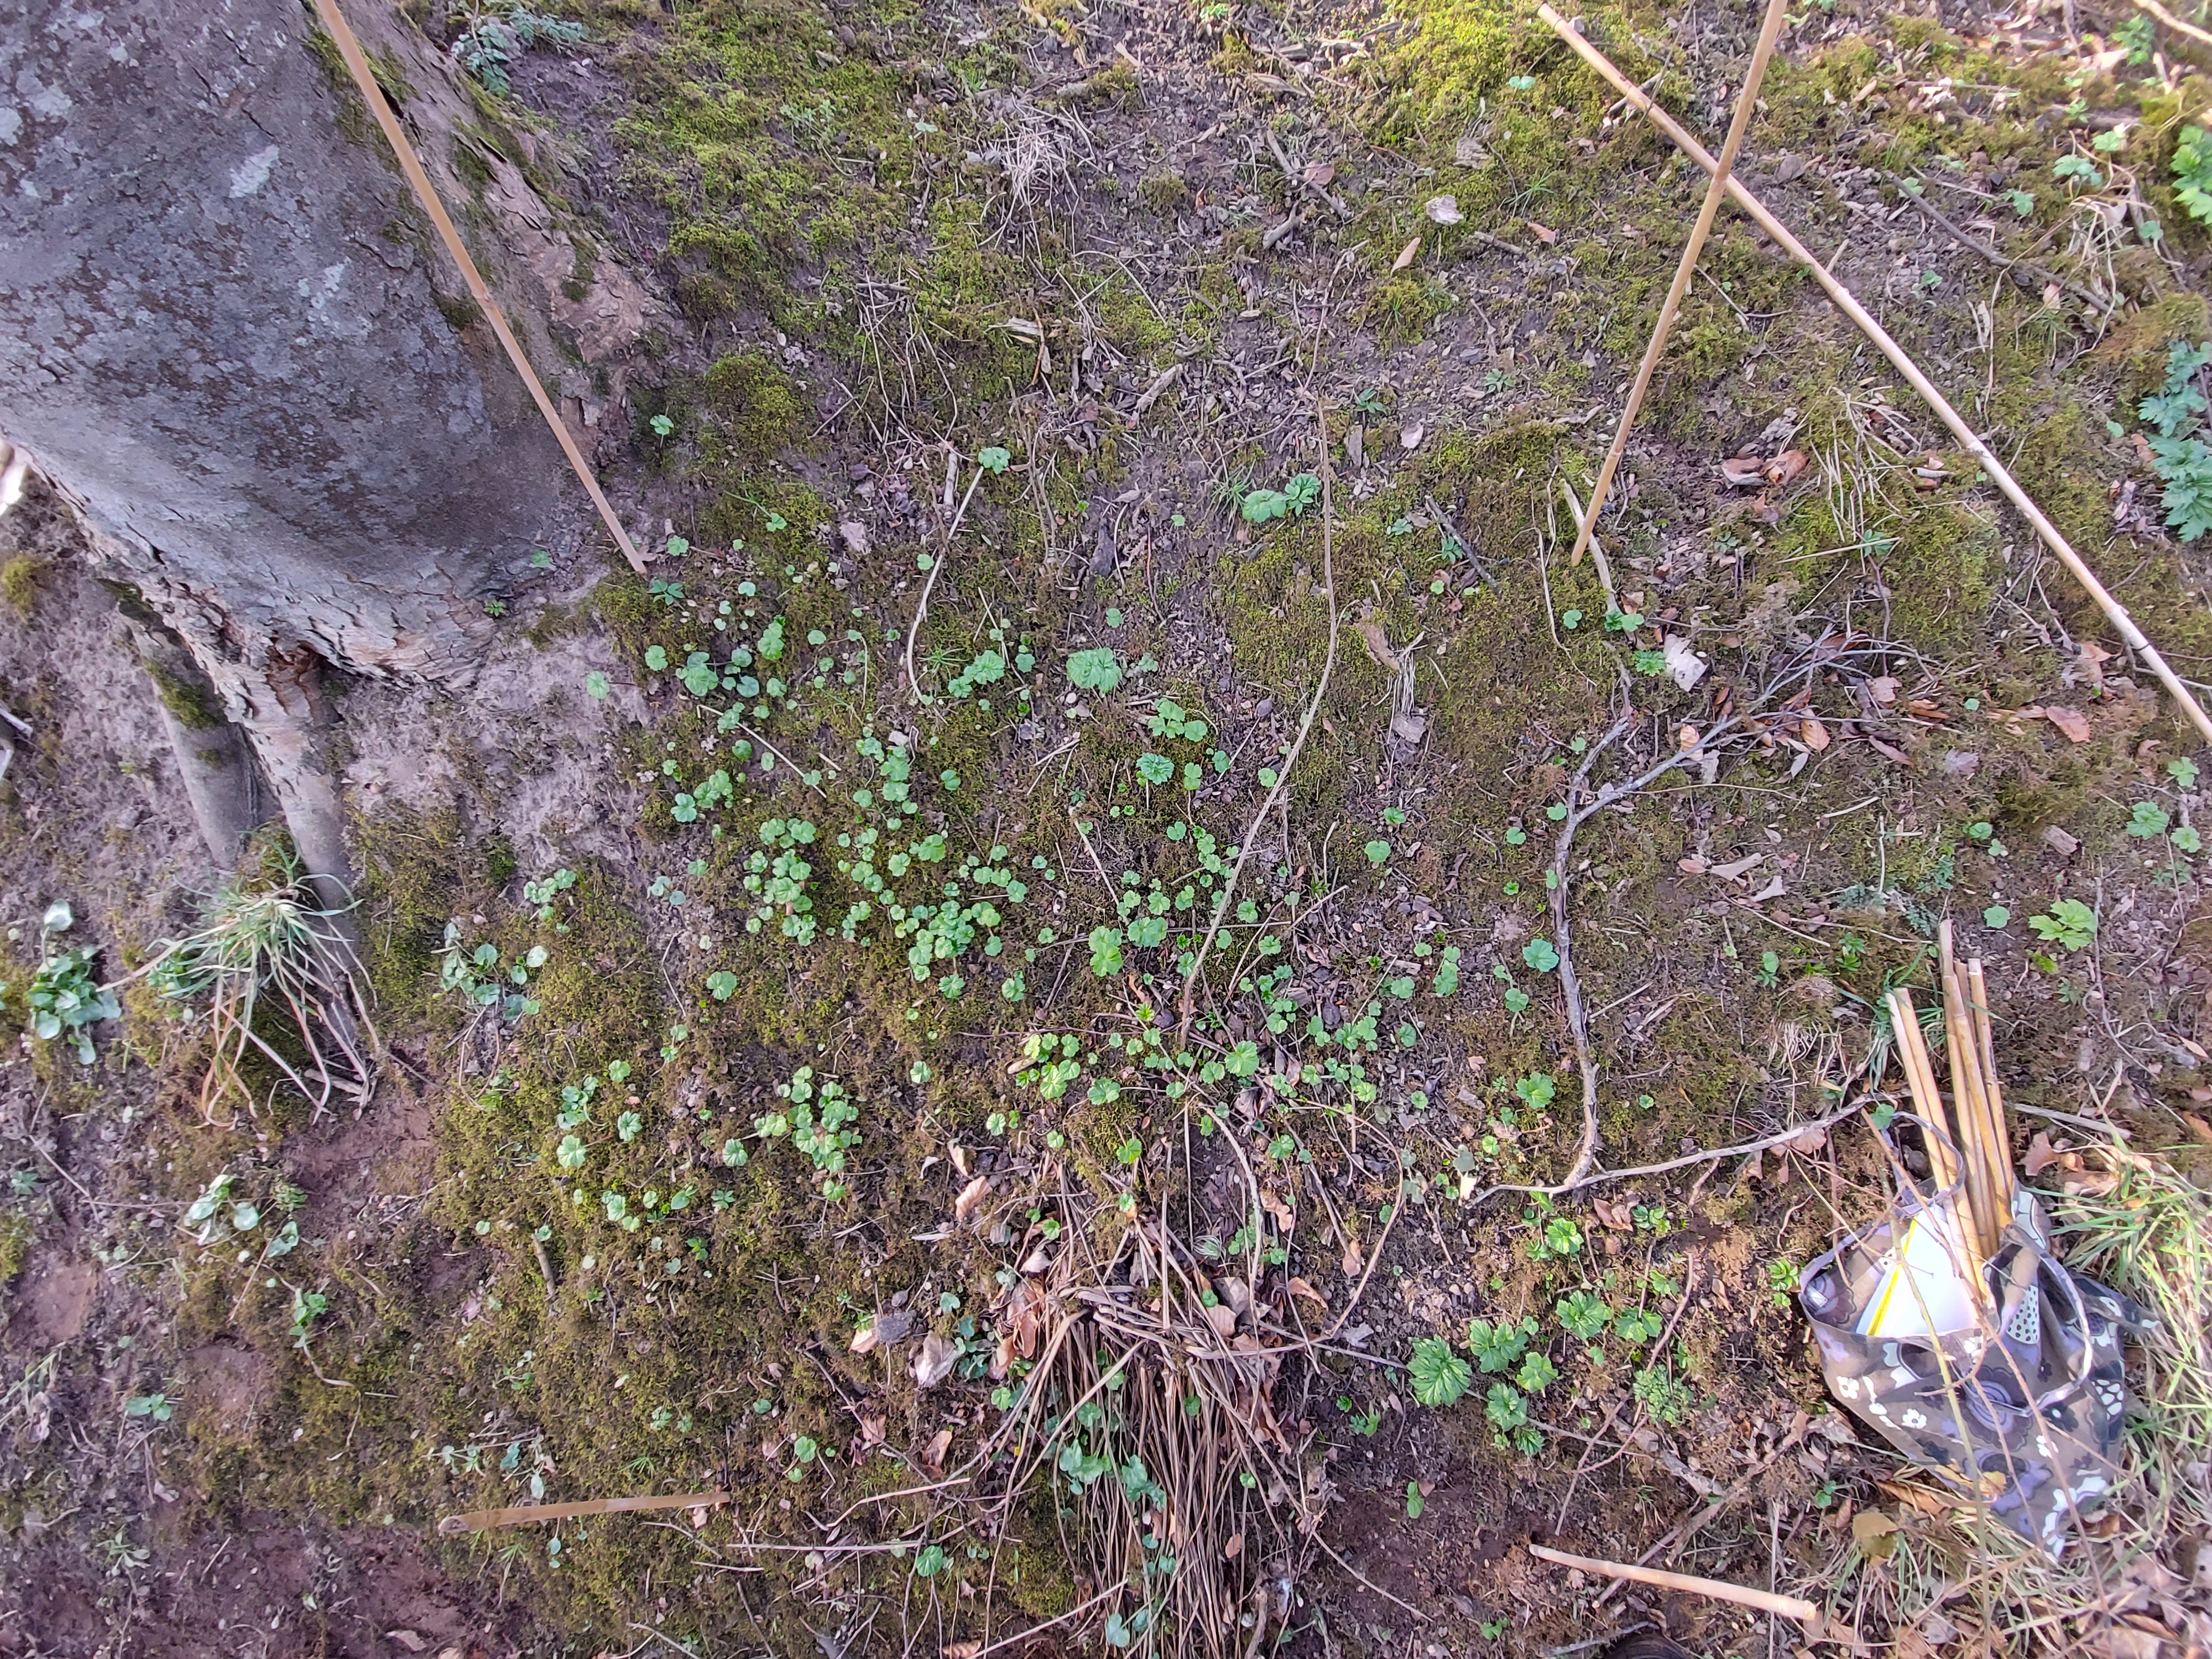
[2022, 1408]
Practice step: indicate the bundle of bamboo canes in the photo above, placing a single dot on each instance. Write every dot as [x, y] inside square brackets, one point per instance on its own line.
[1977, 1156]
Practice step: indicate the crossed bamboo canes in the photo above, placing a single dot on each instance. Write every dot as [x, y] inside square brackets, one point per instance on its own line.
[1968, 439]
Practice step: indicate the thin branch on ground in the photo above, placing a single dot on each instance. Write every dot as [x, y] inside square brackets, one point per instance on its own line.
[943, 553]
[1188, 1001]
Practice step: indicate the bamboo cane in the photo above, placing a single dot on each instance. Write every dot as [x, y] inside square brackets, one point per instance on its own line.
[1770, 30]
[1965, 1058]
[1790, 1607]
[1968, 439]
[1979, 1002]
[410, 166]
[1920, 1079]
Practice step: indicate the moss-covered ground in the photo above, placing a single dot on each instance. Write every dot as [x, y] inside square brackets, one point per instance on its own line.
[728, 1150]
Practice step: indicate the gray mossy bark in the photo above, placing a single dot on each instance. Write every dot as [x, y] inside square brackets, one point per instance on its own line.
[226, 336]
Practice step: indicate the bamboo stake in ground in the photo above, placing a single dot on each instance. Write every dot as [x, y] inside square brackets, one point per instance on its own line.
[1769, 31]
[1968, 439]
[1978, 995]
[1920, 1079]
[1961, 1051]
[419, 182]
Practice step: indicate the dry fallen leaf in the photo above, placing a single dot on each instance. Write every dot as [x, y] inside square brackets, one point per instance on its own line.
[1876, 1534]
[1234, 1547]
[1410, 726]
[1320, 174]
[1687, 738]
[1223, 1319]
[1815, 734]
[1355, 445]
[2075, 725]
[1351, 1258]
[1405, 255]
[970, 1197]
[1808, 1141]
[967, 1650]
[872, 1430]
[1785, 466]
[2041, 1155]
[1543, 234]
[933, 1453]
[1299, 1287]
[1883, 688]
[1443, 209]
[1410, 437]
[934, 1362]
[1743, 470]
[865, 1339]
[1379, 645]
[406, 1638]
[1735, 868]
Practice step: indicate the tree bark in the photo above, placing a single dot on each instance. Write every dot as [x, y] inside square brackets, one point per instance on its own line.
[226, 336]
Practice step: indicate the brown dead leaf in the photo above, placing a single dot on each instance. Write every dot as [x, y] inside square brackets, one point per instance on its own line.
[1379, 645]
[1876, 1534]
[958, 1154]
[1736, 869]
[1410, 437]
[1443, 209]
[1405, 255]
[1223, 1319]
[1808, 1141]
[1543, 234]
[967, 1650]
[935, 1360]
[2091, 659]
[1814, 735]
[865, 1339]
[2041, 1155]
[2198, 1127]
[1299, 1287]
[1785, 467]
[1888, 749]
[1285, 1218]
[1320, 174]
[970, 1197]
[1351, 1258]
[407, 1639]
[872, 1430]
[2074, 724]
[1617, 1216]
[933, 1453]
[1691, 866]
[1883, 688]
[1234, 1547]
[1743, 470]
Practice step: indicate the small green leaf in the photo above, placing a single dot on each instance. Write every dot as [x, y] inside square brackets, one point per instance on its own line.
[1995, 916]
[1540, 954]
[595, 683]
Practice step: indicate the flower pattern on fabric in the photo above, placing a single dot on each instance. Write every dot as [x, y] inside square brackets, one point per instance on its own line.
[2027, 1413]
